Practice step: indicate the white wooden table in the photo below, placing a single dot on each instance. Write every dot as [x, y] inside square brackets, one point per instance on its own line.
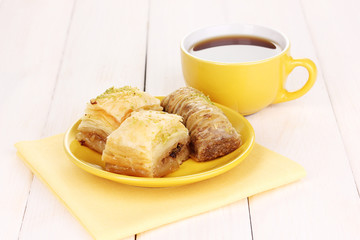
[56, 55]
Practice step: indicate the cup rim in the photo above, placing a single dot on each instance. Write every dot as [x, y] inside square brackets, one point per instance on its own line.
[285, 49]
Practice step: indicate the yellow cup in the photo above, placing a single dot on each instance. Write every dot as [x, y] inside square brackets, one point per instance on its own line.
[246, 87]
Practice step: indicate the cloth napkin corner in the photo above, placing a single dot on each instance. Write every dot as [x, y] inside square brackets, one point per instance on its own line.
[110, 210]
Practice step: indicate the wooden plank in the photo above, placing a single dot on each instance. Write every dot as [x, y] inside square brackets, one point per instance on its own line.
[106, 47]
[230, 222]
[31, 43]
[47, 218]
[169, 22]
[336, 40]
[325, 204]
[314, 208]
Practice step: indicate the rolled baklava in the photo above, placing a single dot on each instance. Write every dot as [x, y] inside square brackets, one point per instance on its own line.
[147, 144]
[211, 133]
[106, 112]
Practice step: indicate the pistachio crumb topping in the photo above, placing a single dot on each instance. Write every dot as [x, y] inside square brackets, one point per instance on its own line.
[113, 90]
[163, 131]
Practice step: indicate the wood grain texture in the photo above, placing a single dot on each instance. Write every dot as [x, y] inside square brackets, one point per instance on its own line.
[336, 38]
[306, 131]
[31, 42]
[290, 128]
[105, 47]
[56, 55]
[169, 21]
[230, 222]
[47, 218]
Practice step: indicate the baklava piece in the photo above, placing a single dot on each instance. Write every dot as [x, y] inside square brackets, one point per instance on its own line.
[147, 144]
[211, 133]
[106, 112]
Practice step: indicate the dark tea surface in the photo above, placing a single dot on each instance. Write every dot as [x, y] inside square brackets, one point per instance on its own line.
[235, 49]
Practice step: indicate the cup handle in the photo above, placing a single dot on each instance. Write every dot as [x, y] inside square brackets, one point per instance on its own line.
[284, 95]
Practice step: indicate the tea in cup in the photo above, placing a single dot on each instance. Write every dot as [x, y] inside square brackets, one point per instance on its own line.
[242, 66]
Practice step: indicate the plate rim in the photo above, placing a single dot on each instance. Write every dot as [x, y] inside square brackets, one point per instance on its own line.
[162, 182]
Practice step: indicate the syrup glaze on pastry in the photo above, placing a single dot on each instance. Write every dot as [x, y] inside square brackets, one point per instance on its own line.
[147, 144]
[106, 112]
[211, 133]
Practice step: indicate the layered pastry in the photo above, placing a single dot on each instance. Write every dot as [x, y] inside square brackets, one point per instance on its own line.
[211, 133]
[147, 144]
[106, 112]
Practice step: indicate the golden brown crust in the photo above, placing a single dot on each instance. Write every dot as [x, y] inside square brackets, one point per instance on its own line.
[211, 133]
[173, 159]
[166, 165]
[105, 113]
[204, 147]
[91, 140]
[114, 168]
[147, 144]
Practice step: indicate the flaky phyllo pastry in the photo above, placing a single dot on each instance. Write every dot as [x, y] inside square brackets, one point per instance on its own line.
[147, 144]
[211, 133]
[106, 112]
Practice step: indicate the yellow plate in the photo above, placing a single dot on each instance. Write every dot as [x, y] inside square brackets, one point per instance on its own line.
[189, 172]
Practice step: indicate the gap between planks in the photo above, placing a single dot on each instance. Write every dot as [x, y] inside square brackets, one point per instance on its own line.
[146, 46]
[60, 66]
[50, 105]
[328, 93]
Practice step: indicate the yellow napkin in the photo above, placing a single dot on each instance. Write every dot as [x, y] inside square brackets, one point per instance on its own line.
[110, 210]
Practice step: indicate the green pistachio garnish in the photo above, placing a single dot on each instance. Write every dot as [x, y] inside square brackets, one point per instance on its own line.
[126, 89]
